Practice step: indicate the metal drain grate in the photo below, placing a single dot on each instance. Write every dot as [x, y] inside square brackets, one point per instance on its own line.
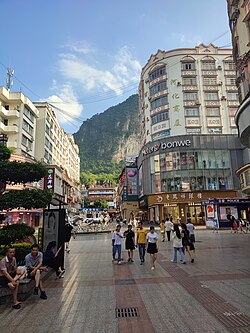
[126, 312]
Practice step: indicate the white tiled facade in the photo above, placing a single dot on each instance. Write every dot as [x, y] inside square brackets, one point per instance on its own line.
[188, 91]
[18, 117]
[53, 145]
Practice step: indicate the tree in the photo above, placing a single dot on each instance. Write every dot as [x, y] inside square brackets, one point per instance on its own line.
[13, 172]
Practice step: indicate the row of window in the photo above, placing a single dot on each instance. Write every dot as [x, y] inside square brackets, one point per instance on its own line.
[27, 127]
[207, 65]
[26, 142]
[158, 87]
[194, 112]
[211, 96]
[191, 160]
[158, 72]
[159, 102]
[160, 117]
[28, 114]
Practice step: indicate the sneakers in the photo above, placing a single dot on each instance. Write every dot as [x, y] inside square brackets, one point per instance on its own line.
[35, 292]
[184, 262]
[119, 262]
[192, 260]
[43, 295]
[61, 274]
[68, 250]
[173, 261]
[152, 268]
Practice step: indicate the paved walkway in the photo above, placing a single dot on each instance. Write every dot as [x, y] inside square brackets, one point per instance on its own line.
[209, 296]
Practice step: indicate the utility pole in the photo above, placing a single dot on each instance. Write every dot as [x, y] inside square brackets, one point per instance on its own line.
[10, 73]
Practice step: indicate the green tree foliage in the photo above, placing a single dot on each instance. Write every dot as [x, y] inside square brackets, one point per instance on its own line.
[100, 204]
[13, 172]
[15, 232]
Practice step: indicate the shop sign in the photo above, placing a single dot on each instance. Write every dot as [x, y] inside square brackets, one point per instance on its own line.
[49, 179]
[179, 196]
[166, 145]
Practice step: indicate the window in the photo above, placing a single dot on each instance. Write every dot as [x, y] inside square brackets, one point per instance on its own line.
[211, 96]
[189, 81]
[192, 112]
[5, 122]
[159, 102]
[26, 142]
[213, 112]
[208, 65]
[188, 66]
[28, 114]
[158, 87]
[190, 96]
[229, 66]
[158, 72]
[232, 96]
[27, 127]
[215, 130]
[159, 117]
[209, 81]
[230, 81]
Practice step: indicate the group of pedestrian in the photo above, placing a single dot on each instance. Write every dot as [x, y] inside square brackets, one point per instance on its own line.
[239, 225]
[183, 241]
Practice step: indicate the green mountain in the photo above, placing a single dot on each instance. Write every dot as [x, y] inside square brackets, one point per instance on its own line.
[105, 139]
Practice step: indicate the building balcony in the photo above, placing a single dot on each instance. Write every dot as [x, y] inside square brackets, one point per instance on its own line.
[212, 103]
[210, 88]
[189, 88]
[233, 103]
[157, 95]
[159, 109]
[191, 103]
[13, 129]
[209, 73]
[158, 80]
[188, 73]
[242, 120]
[230, 73]
[244, 175]
[231, 88]
[9, 113]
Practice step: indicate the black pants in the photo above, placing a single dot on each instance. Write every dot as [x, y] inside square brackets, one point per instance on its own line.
[53, 263]
[168, 235]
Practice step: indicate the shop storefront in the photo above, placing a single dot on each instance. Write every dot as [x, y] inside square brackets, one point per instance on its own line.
[218, 211]
[183, 205]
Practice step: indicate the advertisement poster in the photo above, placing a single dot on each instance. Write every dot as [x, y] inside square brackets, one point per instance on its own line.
[210, 211]
[228, 210]
[51, 226]
[132, 181]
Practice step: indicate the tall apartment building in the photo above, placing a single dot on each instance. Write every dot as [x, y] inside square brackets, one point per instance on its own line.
[239, 21]
[190, 150]
[59, 151]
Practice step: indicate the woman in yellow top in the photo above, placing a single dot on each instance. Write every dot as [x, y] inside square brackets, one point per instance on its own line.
[141, 242]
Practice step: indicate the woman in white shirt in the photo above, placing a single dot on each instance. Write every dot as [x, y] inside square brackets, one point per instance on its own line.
[177, 244]
[152, 246]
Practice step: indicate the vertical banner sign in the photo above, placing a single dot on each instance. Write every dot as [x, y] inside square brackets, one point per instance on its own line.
[49, 179]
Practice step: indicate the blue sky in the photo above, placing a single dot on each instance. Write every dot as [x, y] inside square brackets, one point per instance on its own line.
[86, 56]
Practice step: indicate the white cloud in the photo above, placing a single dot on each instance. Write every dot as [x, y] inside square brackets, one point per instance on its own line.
[124, 70]
[79, 47]
[65, 99]
[187, 40]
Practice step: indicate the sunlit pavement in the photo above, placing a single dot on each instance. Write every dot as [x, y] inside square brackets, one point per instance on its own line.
[210, 295]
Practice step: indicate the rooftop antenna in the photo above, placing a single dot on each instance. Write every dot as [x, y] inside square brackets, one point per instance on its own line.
[9, 83]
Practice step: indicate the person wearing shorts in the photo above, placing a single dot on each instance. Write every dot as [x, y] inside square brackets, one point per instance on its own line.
[10, 275]
[152, 246]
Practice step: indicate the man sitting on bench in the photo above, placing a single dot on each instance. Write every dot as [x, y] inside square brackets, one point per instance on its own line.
[33, 263]
[10, 275]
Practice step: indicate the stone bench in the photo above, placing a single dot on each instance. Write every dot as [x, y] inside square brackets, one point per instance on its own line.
[26, 287]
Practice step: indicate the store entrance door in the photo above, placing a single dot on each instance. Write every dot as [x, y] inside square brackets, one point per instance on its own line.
[172, 211]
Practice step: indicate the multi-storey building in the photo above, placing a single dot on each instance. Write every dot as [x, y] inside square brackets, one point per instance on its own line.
[190, 150]
[239, 20]
[59, 151]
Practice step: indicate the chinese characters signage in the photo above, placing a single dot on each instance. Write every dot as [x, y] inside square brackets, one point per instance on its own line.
[49, 179]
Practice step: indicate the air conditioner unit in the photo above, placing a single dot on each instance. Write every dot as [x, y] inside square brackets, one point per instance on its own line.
[178, 84]
[219, 68]
[223, 98]
[147, 81]
[220, 83]
[197, 102]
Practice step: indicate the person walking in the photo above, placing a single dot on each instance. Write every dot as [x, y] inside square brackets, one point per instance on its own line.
[177, 245]
[163, 230]
[141, 241]
[235, 226]
[186, 241]
[152, 246]
[68, 230]
[129, 242]
[117, 243]
[190, 228]
[169, 228]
